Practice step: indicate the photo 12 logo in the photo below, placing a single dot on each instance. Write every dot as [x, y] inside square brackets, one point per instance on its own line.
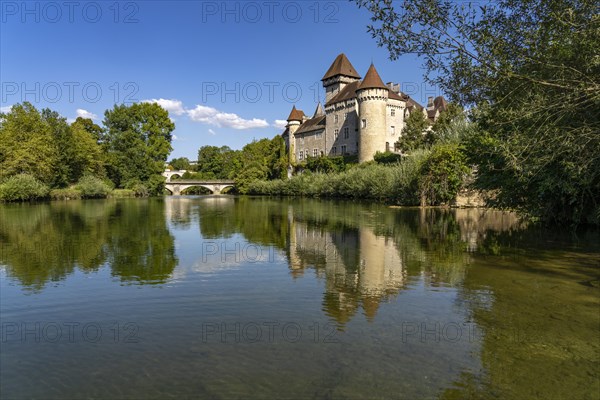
[254, 92]
[53, 12]
[226, 252]
[73, 92]
[268, 332]
[69, 332]
[253, 12]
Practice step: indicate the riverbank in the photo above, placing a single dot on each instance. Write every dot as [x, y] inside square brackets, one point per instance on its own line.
[420, 180]
[24, 187]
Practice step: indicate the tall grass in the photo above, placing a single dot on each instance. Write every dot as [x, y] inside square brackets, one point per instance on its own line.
[395, 182]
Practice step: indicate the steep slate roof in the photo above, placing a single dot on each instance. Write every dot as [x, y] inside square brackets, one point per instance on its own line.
[319, 111]
[439, 103]
[395, 96]
[296, 115]
[313, 124]
[372, 80]
[341, 66]
[347, 93]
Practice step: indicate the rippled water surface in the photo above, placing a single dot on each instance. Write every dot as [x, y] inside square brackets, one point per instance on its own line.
[225, 297]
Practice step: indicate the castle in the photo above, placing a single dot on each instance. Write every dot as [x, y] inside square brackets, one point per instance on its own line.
[360, 117]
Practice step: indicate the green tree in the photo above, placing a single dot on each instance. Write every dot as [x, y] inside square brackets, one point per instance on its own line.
[454, 113]
[137, 143]
[181, 163]
[442, 175]
[531, 70]
[90, 127]
[87, 156]
[27, 144]
[414, 134]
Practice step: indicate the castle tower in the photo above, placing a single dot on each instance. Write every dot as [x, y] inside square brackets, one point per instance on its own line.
[293, 123]
[372, 96]
[340, 73]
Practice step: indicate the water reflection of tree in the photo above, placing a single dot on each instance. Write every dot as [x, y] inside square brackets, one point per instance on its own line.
[47, 242]
[532, 295]
[140, 246]
[261, 221]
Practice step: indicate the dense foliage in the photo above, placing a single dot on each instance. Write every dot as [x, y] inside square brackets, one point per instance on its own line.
[75, 160]
[529, 70]
[427, 177]
[259, 160]
[137, 143]
[22, 187]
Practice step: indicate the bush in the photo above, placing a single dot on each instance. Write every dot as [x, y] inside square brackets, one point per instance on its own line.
[121, 193]
[442, 175]
[23, 187]
[92, 187]
[70, 193]
[386, 158]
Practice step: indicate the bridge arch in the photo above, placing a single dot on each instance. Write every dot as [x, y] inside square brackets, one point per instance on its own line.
[170, 174]
[178, 186]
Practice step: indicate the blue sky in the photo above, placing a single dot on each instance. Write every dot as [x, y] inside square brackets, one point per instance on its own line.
[229, 72]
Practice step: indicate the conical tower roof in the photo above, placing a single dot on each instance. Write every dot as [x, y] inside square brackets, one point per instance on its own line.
[296, 115]
[372, 80]
[341, 66]
[319, 111]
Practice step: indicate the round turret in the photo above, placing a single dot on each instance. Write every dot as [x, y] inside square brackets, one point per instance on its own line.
[372, 96]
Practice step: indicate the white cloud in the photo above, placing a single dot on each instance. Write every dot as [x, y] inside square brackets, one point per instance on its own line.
[280, 123]
[171, 105]
[211, 132]
[86, 114]
[212, 116]
[5, 109]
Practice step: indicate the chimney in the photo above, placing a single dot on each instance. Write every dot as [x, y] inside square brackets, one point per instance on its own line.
[430, 103]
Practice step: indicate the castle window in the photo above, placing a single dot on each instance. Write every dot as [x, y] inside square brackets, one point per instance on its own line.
[363, 123]
[335, 118]
[334, 150]
[315, 152]
[346, 133]
[393, 112]
[336, 133]
[393, 130]
[300, 155]
[387, 146]
[343, 149]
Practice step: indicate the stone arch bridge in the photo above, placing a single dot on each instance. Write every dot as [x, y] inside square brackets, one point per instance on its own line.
[179, 185]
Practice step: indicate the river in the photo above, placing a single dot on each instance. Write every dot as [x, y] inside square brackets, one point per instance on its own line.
[226, 297]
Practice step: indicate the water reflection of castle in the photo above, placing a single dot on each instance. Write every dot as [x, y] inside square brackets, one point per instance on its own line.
[361, 269]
